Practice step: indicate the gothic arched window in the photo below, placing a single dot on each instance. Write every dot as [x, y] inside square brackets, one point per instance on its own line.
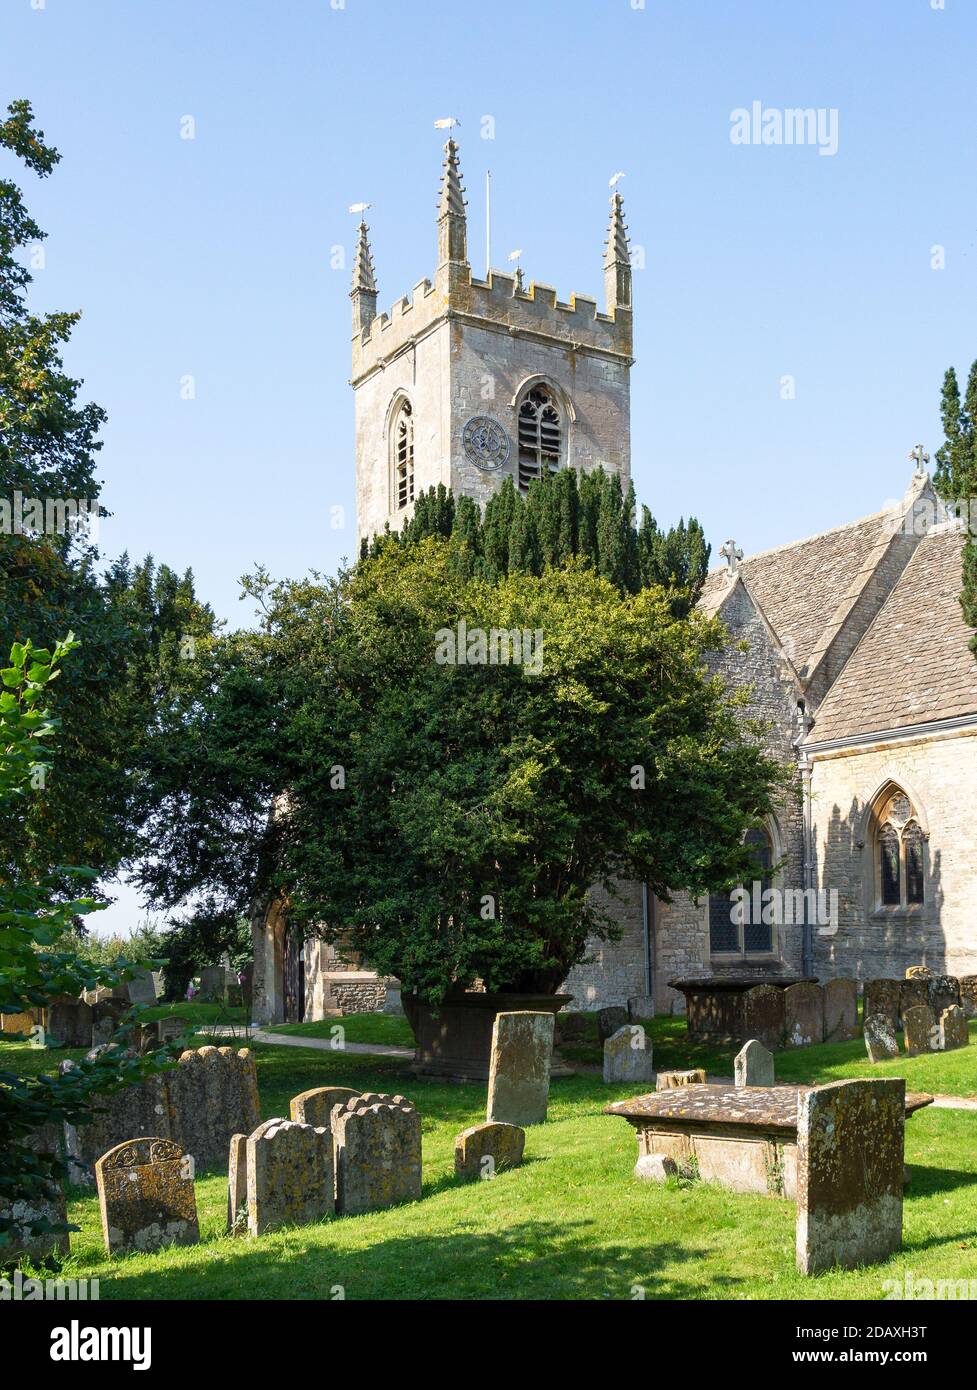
[899, 846]
[540, 434]
[737, 927]
[403, 444]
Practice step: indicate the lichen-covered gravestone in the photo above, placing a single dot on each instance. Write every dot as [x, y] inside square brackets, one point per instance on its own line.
[519, 1069]
[628, 1056]
[672, 1080]
[913, 992]
[213, 1094]
[880, 1038]
[920, 1032]
[944, 991]
[849, 1173]
[609, 1020]
[763, 1014]
[883, 998]
[968, 995]
[487, 1149]
[146, 1196]
[753, 1065]
[378, 1153]
[840, 1010]
[315, 1107]
[803, 1015]
[953, 1028]
[290, 1176]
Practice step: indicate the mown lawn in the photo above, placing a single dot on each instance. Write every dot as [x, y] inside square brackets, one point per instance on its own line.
[571, 1223]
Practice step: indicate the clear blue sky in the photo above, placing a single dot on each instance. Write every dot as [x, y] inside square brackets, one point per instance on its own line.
[212, 257]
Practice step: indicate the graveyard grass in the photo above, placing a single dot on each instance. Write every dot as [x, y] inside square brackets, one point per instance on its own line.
[572, 1222]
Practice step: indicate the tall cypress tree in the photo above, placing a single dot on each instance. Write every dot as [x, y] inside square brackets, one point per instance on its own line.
[956, 476]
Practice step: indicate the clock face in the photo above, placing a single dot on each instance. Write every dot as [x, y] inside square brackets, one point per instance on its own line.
[486, 442]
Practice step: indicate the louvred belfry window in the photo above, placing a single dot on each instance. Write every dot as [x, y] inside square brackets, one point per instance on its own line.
[540, 435]
[404, 455]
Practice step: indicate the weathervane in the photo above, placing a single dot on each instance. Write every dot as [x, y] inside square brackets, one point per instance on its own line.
[732, 555]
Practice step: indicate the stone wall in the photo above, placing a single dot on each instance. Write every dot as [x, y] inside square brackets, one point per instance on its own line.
[939, 774]
[613, 970]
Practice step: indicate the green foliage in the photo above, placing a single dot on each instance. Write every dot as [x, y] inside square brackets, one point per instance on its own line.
[956, 476]
[38, 956]
[561, 517]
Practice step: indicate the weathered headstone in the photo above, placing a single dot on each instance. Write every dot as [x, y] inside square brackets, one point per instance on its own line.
[24, 1241]
[641, 1007]
[968, 995]
[237, 1185]
[944, 991]
[880, 1038]
[378, 1153]
[628, 1056]
[70, 1020]
[672, 1080]
[16, 1025]
[213, 983]
[106, 1017]
[146, 1196]
[655, 1167]
[953, 1028]
[764, 1016]
[213, 1094]
[920, 1031]
[290, 1176]
[487, 1149]
[315, 1107]
[169, 1029]
[882, 998]
[803, 1015]
[849, 1173]
[913, 993]
[519, 1067]
[142, 988]
[840, 1010]
[753, 1065]
[609, 1020]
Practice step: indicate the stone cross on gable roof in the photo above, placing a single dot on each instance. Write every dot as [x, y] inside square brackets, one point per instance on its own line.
[732, 555]
[920, 458]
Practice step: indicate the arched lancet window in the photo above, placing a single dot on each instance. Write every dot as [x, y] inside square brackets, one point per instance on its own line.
[540, 434]
[403, 445]
[899, 853]
[738, 929]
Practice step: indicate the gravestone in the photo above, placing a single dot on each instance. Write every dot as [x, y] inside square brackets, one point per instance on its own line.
[763, 1015]
[672, 1080]
[840, 1010]
[142, 988]
[107, 1015]
[16, 1025]
[569, 1028]
[803, 1015]
[142, 1109]
[519, 1067]
[315, 1107]
[487, 1149]
[849, 1173]
[953, 1028]
[290, 1176]
[920, 1031]
[24, 1212]
[882, 999]
[753, 1065]
[169, 1029]
[609, 1020]
[70, 1020]
[213, 983]
[378, 1153]
[968, 995]
[628, 1056]
[944, 990]
[213, 1093]
[146, 1196]
[913, 993]
[237, 1185]
[880, 1038]
[641, 1007]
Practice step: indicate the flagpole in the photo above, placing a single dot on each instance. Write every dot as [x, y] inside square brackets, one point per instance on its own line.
[488, 222]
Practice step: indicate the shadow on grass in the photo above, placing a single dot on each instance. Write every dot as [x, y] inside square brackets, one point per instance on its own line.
[924, 1180]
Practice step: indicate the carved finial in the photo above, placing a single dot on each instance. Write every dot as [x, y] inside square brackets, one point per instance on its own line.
[452, 233]
[921, 458]
[363, 278]
[617, 259]
[732, 555]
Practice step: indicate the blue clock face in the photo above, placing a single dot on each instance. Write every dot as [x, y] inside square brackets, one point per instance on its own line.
[486, 443]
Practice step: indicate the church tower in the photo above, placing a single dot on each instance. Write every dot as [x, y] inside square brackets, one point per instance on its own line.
[468, 381]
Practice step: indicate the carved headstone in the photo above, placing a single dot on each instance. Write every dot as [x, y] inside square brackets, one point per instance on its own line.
[290, 1176]
[146, 1196]
[944, 990]
[487, 1149]
[213, 1094]
[378, 1153]
[920, 1031]
[519, 1067]
[315, 1107]
[753, 1065]
[953, 1028]
[169, 1029]
[803, 1015]
[849, 1173]
[840, 1010]
[880, 1038]
[672, 1080]
[609, 1020]
[913, 992]
[764, 1016]
[628, 1056]
[882, 998]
